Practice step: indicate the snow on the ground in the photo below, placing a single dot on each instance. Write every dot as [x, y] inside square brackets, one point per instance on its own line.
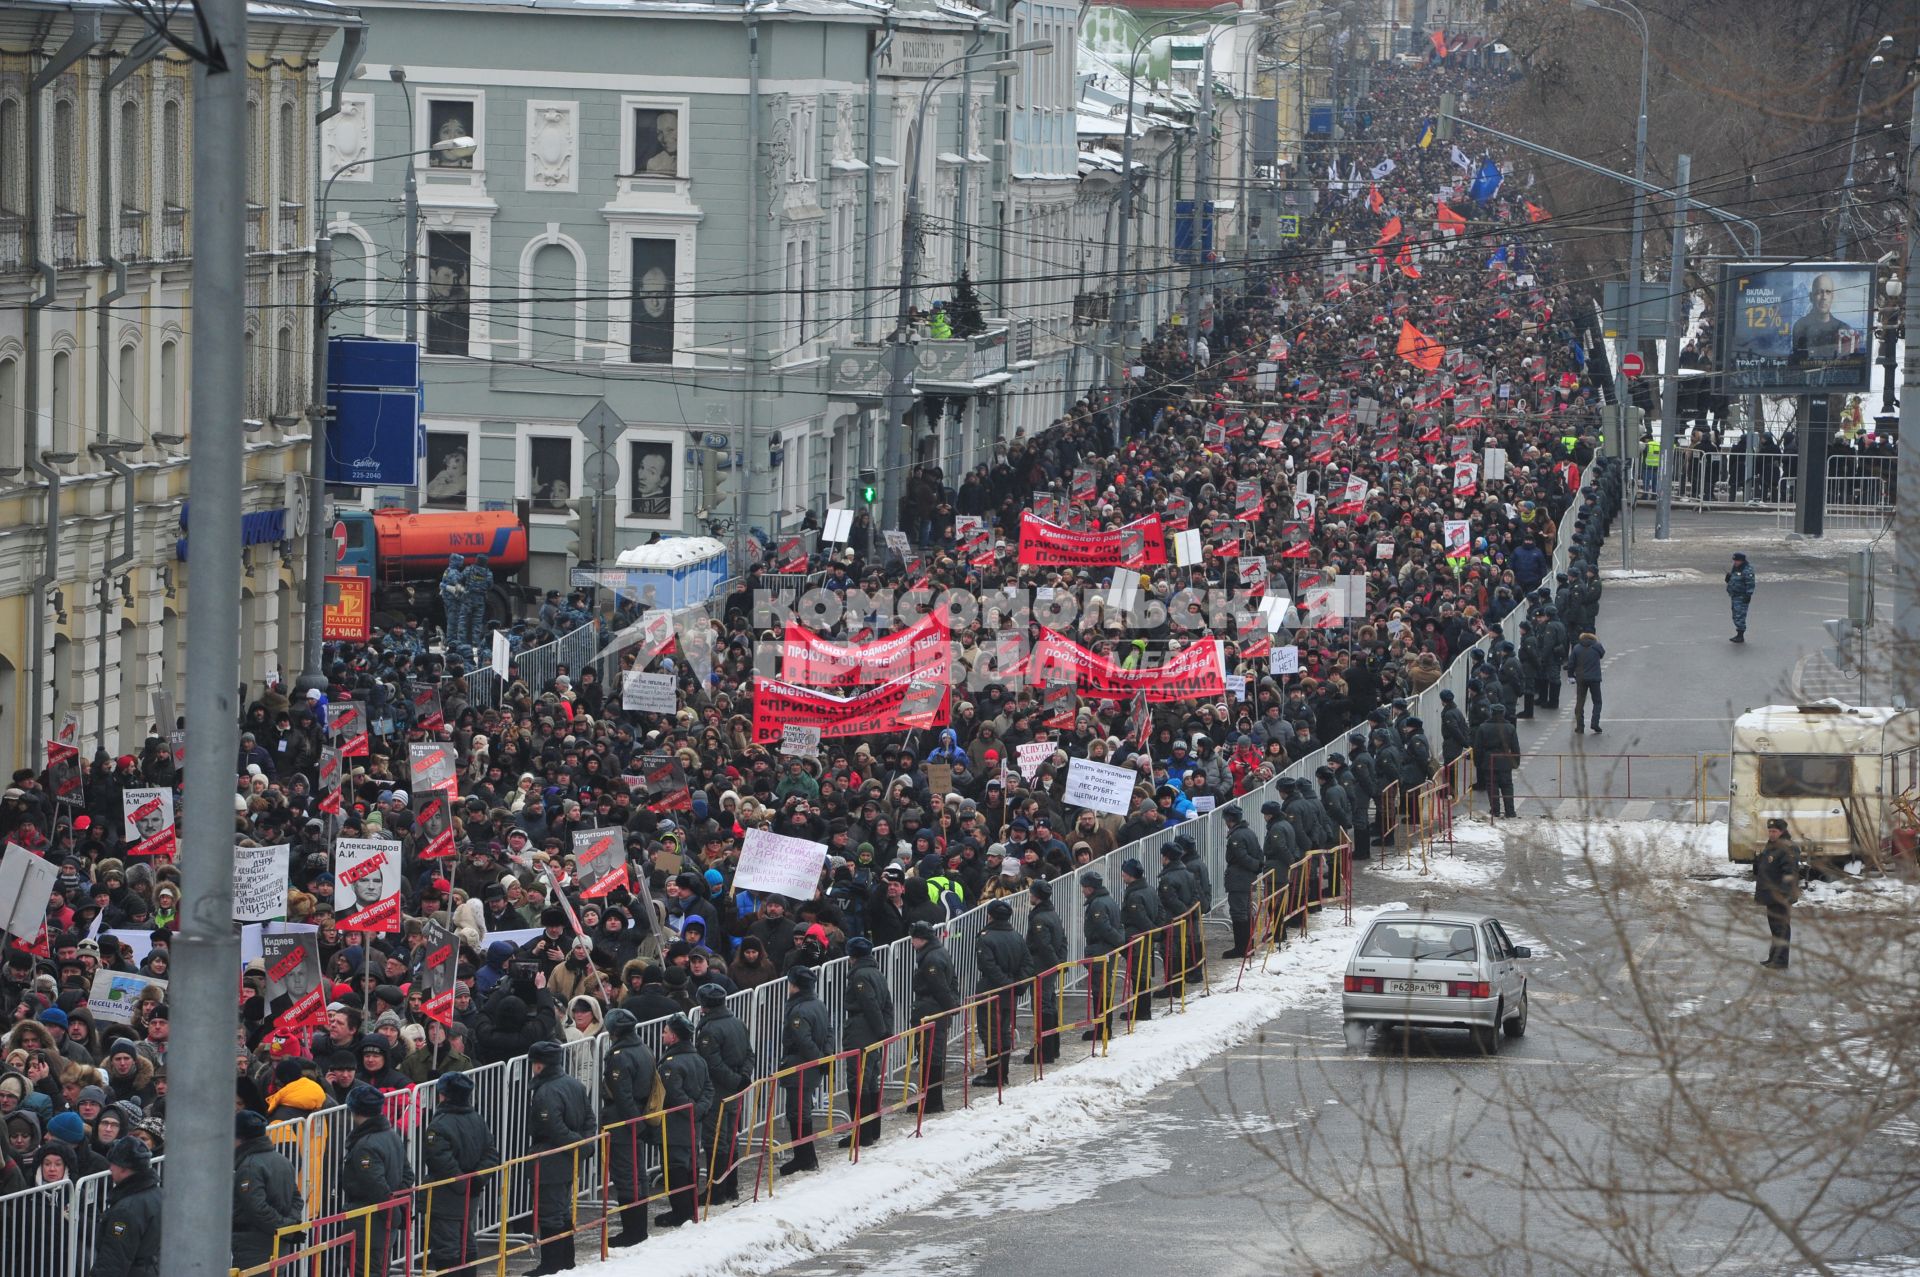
[1656, 848]
[1857, 892]
[816, 1213]
[1473, 860]
[1645, 576]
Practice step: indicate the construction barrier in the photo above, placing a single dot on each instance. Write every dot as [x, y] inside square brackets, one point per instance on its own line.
[1318, 878]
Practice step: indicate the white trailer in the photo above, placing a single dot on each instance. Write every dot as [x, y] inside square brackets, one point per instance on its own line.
[1831, 771]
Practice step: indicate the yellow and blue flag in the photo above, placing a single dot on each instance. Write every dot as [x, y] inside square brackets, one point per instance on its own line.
[1426, 133]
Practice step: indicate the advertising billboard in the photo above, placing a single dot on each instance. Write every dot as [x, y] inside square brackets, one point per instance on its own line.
[1800, 328]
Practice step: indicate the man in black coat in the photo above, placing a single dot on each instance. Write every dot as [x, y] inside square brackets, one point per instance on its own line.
[1047, 949]
[806, 1039]
[1244, 866]
[1179, 900]
[373, 1171]
[457, 1144]
[727, 1047]
[936, 994]
[1497, 742]
[688, 1103]
[1004, 964]
[1106, 936]
[559, 1117]
[265, 1198]
[869, 1022]
[128, 1244]
[1140, 913]
[626, 1089]
[1776, 880]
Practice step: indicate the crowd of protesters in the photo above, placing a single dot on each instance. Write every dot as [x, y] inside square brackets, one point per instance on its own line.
[1509, 377]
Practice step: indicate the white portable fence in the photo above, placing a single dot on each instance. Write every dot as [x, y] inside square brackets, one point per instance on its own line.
[56, 1224]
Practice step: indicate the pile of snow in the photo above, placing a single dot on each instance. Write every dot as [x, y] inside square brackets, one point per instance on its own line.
[1473, 860]
[1656, 848]
[817, 1213]
[1859, 894]
[1645, 576]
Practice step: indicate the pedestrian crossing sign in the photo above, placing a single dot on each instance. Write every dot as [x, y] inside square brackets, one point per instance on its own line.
[1289, 225]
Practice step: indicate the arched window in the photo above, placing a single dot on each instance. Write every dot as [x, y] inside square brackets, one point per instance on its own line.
[173, 155]
[13, 173]
[126, 407]
[66, 198]
[287, 148]
[133, 147]
[62, 427]
[169, 388]
[551, 313]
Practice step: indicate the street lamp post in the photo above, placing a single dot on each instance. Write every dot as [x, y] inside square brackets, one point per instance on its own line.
[1198, 269]
[1123, 284]
[314, 588]
[899, 396]
[1844, 223]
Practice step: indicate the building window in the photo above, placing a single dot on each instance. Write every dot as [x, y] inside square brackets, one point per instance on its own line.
[287, 387]
[549, 473]
[9, 410]
[449, 301]
[132, 147]
[652, 337]
[12, 158]
[656, 142]
[173, 151]
[800, 138]
[653, 479]
[256, 171]
[128, 407]
[288, 147]
[447, 469]
[66, 198]
[63, 427]
[447, 120]
[169, 388]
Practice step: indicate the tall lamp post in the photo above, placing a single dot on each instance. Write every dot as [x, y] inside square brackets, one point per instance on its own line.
[1123, 283]
[315, 586]
[1622, 386]
[900, 358]
[1844, 223]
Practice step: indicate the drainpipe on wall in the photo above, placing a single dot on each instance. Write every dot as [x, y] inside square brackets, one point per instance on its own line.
[85, 34]
[963, 229]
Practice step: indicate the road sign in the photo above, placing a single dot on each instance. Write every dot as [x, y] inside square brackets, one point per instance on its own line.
[602, 427]
[339, 542]
[1289, 225]
[601, 472]
[1631, 364]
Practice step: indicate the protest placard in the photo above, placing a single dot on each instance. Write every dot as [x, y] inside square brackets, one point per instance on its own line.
[1099, 786]
[366, 884]
[260, 883]
[648, 693]
[294, 997]
[115, 995]
[778, 865]
[147, 821]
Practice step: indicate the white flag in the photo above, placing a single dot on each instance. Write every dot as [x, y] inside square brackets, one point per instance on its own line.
[502, 653]
[1459, 158]
[1383, 168]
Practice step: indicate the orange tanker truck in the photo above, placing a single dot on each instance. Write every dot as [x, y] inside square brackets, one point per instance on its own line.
[404, 554]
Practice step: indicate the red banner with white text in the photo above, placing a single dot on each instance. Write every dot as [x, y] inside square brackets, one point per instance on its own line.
[906, 702]
[923, 648]
[1139, 544]
[1194, 672]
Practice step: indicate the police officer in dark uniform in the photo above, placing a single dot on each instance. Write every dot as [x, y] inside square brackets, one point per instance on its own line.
[559, 1115]
[1197, 870]
[1498, 742]
[374, 1171]
[128, 1244]
[1776, 880]
[1244, 863]
[1179, 898]
[727, 1047]
[806, 1039]
[1106, 935]
[1140, 913]
[936, 992]
[1003, 963]
[1047, 949]
[265, 1198]
[626, 1091]
[457, 1143]
[1359, 797]
[688, 1102]
[869, 1021]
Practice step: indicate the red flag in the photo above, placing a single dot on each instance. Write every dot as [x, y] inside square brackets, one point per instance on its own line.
[1417, 348]
[1451, 223]
[1535, 213]
[1375, 201]
[1439, 39]
[1389, 232]
[1404, 260]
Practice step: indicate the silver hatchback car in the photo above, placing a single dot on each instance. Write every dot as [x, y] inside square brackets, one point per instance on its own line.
[1439, 969]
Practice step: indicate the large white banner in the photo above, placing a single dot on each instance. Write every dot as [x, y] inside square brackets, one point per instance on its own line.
[780, 865]
[1100, 786]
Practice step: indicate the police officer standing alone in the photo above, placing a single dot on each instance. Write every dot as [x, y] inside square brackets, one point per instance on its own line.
[1776, 881]
[458, 1144]
[626, 1096]
[1499, 743]
[1047, 949]
[727, 1048]
[129, 1241]
[1739, 580]
[683, 1113]
[559, 1115]
[1583, 667]
[1003, 963]
[1105, 935]
[1244, 863]
[374, 1171]
[265, 1199]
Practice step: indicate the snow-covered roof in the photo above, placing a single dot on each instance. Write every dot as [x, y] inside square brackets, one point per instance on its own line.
[674, 552]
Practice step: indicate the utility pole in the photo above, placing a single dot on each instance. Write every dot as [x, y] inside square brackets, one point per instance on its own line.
[1201, 224]
[319, 540]
[1905, 649]
[900, 391]
[197, 1211]
[1676, 320]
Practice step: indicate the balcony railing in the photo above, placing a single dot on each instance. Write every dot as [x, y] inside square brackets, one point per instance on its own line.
[66, 239]
[173, 234]
[13, 241]
[132, 246]
[290, 225]
[256, 227]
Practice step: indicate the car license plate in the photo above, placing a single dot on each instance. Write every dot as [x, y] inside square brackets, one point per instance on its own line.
[1416, 986]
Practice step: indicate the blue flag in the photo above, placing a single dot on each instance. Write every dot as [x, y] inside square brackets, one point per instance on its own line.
[1579, 352]
[1485, 182]
[1498, 258]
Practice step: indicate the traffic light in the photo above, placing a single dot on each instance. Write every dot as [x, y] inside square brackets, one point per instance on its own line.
[869, 487]
[1844, 634]
[584, 547]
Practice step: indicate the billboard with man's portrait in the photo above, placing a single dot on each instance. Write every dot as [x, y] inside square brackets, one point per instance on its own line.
[1801, 328]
